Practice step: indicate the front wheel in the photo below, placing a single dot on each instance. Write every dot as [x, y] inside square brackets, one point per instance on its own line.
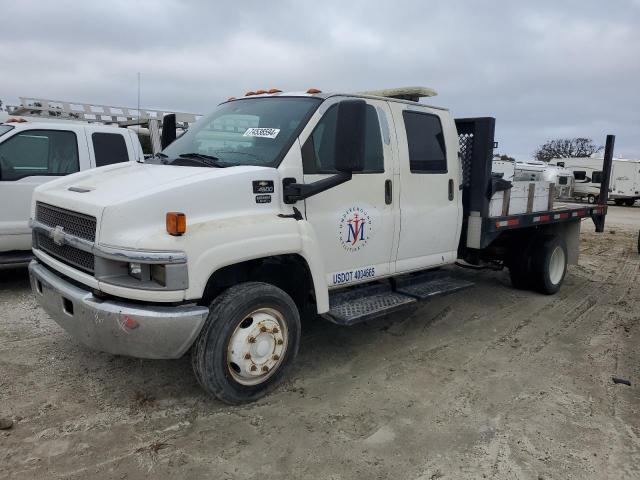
[619, 202]
[629, 202]
[249, 341]
[591, 199]
[549, 264]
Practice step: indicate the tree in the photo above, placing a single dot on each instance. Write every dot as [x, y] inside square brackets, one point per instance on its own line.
[566, 148]
[504, 157]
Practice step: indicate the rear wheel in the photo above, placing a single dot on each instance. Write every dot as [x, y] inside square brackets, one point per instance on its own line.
[629, 202]
[618, 202]
[248, 343]
[520, 265]
[549, 264]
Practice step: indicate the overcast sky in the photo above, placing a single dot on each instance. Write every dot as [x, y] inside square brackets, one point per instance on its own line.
[544, 68]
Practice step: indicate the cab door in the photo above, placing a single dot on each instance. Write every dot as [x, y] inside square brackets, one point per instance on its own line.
[356, 222]
[430, 199]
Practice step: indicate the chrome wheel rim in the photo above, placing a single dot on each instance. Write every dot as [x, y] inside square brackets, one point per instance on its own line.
[257, 346]
[556, 265]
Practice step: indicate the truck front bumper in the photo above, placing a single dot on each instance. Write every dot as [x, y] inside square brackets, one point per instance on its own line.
[116, 327]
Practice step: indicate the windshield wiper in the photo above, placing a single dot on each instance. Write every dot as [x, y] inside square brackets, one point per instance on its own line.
[208, 160]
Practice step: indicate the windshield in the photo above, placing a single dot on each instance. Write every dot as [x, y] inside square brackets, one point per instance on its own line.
[255, 131]
[4, 129]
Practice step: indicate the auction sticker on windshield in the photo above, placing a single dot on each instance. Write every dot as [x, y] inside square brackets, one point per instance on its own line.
[262, 132]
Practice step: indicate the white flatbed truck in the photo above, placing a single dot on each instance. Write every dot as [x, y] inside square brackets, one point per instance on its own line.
[278, 205]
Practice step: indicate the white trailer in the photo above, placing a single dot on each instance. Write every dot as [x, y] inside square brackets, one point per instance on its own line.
[534, 170]
[624, 188]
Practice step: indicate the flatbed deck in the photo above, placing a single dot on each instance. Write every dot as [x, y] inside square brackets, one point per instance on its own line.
[561, 212]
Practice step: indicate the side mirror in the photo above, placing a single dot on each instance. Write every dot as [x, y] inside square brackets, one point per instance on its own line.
[168, 130]
[350, 133]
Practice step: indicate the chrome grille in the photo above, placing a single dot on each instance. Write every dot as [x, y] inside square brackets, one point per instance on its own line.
[74, 223]
[66, 253]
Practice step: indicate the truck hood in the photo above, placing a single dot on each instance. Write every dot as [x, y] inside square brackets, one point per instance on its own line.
[104, 186]
[132, 199]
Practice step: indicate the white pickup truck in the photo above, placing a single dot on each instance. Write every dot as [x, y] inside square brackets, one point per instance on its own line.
[276, 205]
[32, 153]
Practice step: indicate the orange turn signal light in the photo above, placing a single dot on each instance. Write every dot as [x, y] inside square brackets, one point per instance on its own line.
[314, 90]
[176, 223]
[16, 120]
[248, 94]
[261, 92]
[274, 90]
[230, 98]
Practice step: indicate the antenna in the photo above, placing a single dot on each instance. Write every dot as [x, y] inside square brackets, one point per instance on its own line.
[138, 102]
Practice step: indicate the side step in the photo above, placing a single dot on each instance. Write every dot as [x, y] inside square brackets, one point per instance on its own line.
[348, 307]
[428, 285]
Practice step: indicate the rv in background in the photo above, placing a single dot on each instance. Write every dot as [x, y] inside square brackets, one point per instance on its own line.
[624, 188]
[536, 171]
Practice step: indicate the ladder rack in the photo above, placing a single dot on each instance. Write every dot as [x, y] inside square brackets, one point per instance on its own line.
[104, 114]
[94, 113]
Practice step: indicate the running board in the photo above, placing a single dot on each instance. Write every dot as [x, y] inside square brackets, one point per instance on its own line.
[348, 307]
[428, 285]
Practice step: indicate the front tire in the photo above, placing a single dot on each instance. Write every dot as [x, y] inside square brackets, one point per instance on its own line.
[591, 199]
[549, 264]
[629, 202]
[248, 343]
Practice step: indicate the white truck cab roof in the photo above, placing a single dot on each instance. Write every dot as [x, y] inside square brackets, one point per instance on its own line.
[409, 95]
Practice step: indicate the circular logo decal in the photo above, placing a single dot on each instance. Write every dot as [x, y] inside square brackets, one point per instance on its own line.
[354, 229]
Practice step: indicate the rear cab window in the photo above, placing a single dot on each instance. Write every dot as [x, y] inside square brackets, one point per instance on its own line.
[425, 139]
[109, 148]
[39, 153]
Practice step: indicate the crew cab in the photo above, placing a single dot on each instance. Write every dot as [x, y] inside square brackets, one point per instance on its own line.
[32, 153]
[277, 205]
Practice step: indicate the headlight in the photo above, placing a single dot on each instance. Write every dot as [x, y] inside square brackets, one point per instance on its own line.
[135, 270]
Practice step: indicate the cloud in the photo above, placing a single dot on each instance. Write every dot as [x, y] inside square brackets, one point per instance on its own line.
[544, 69]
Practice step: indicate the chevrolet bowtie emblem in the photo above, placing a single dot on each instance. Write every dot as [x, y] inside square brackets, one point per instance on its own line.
[57, 235]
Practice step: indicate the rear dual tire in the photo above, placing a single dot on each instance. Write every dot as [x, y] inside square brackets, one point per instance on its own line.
[540, 264]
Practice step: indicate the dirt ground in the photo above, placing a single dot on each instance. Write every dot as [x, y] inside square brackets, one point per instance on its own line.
[489, 383]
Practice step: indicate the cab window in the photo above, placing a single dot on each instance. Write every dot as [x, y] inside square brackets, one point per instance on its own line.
[318, 152]
[427, 153]
[39, 153]
[109, 148]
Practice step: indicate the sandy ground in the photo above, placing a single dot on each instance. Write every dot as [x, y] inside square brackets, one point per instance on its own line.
[490, 383]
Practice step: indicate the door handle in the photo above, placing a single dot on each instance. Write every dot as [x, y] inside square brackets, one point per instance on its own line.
[388, 192]
[450, 189]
